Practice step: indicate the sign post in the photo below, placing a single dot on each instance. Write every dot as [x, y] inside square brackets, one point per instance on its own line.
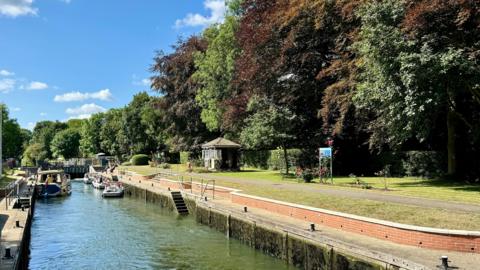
[325, 161]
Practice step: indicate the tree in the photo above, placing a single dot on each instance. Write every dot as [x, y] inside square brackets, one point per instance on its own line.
[66, 144]
[179, 110]
[44, 132]
[33, 154]
[409, 82]
[215, 69]
[90, 142]
[113, 139]
[269, 127]
[13, 137]
[139, 140]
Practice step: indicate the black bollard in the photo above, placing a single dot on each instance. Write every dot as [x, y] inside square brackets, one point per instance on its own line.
[206, 199]
[312, 227]
[17, 223]
[8, 253]
[245, 209]
[444, 260]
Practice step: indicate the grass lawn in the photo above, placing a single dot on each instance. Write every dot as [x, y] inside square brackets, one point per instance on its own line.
[382, 210]
[405, 186]
[7, 177]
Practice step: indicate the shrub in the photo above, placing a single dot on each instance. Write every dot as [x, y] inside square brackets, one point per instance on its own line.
[276, 160]
[184, 156]
[256, 159]
[307, 176]
[126, 163]
[140, 159]
[165, 166]
[423, 163]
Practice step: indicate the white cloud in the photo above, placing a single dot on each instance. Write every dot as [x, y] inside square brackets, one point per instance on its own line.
[146, 82]
[6, 85]
[217, 13]
[66, 1]
[16, 109]
[43, 114]
[4, 72]
[80, 116]
[37, 85]
[14, 8]
[84, 111]
[104, 95]
[31, 125]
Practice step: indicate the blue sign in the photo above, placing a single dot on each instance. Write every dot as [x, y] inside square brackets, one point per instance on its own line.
[326, 152]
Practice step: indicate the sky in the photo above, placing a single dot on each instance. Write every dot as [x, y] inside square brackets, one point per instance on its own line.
[65, 59]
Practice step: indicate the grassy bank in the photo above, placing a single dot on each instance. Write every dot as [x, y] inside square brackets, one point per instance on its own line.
[382, 210]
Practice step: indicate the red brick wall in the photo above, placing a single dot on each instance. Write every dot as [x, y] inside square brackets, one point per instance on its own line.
[452, 242]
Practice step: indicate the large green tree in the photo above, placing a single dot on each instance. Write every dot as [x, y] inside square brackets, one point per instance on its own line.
[215, 69]
[66, 144]
[410, 81]
[13, 137]
[43, 133]
[90, 142]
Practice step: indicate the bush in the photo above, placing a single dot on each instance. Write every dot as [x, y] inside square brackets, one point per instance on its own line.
[184, 157]
[423, 163]
[140, 159]
[126, 163]
[256, 159]
[276, 160]
[307, 176]
[165, 166]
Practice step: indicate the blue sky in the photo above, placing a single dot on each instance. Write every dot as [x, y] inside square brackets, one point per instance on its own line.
[62, 59]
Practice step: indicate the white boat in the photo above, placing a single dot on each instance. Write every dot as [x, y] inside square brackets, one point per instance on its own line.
[87, 179]
[53, 183]
[98, 182]
[113, 190]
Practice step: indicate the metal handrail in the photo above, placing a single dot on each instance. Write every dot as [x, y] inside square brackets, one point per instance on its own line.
[205, 187]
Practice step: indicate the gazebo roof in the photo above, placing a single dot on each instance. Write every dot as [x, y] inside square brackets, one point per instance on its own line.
[221, 143]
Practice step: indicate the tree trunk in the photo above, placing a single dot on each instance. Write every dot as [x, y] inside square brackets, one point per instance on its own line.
[285, 155]
[451, 144]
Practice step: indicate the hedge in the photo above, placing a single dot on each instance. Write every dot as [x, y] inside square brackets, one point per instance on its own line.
[140, 159]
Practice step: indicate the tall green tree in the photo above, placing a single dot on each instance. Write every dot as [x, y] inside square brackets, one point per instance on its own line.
[90, 142]
[215, 69]
[13, 137]
[43, 133]
[409, 82]
[270, 126]
[65, 144]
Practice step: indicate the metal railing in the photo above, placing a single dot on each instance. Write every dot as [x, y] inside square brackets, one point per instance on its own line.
[208, 185]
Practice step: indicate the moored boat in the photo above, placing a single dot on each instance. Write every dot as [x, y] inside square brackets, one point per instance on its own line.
[113, 190]
[87, 179]
[98, 182]
[53, 183]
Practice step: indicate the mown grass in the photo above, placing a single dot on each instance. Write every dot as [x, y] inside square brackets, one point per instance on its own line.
[412, 187]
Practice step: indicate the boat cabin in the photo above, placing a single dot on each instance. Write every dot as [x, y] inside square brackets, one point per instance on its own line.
[53, 176]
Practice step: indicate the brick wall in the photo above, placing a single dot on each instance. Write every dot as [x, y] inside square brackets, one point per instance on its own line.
[452, 240]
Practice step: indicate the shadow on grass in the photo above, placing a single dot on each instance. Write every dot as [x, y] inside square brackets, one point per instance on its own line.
[442, 183]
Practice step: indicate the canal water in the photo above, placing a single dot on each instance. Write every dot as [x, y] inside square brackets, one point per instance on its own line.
[85, 231]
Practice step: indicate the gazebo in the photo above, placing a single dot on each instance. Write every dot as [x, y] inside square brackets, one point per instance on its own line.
[221, 154]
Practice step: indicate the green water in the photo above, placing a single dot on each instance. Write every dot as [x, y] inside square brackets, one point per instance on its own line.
[85, 231]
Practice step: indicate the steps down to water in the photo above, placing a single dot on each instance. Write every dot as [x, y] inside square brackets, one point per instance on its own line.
[179, 203]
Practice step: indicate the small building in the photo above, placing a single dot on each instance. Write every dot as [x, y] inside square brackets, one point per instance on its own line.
[221, 154]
